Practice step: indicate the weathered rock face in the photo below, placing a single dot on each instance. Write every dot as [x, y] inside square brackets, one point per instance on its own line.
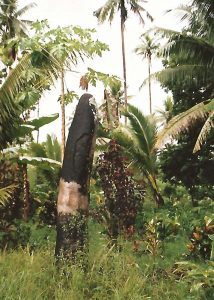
[73, 198]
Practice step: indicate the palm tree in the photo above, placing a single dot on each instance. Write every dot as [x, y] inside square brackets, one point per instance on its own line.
[192, 50]
[147, 48]
[110, 109]
[193, 59]
[166, 114]
[107, 12]
[10, 23]
[138, 141]
[192, 54]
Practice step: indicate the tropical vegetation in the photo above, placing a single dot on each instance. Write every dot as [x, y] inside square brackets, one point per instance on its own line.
[149, 229]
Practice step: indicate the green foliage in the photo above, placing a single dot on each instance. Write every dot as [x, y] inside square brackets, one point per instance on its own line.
[63, 46]
[199, 277]
[138, 140]
[186, 119]
[42, 237]
[189, 73]
[15, 101]
[190, 92]
[14, 234]
[194, 171]
[10, 175]
[110, 275]
[44, 179]
[152, 238]
[52, 147]
[201, 240]
[39, 122]
[45, 56]
[93, 76]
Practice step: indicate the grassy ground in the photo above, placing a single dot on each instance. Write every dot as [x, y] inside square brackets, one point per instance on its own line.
[27, 275]
[126, 275]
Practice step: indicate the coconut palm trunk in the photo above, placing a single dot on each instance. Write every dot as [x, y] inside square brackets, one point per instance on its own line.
[150, 90]
[26, 193]
[73, 198]
[157, 195]
[107, 111]
[62, 104]
[108, 11]
[124, 64]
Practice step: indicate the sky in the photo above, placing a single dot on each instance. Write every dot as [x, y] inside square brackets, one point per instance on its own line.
[80, 12]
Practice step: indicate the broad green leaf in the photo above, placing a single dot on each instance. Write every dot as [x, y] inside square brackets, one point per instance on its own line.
[43, 162]
[39, 122]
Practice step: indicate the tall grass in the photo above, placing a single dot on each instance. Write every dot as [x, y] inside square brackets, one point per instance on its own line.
[28, 275]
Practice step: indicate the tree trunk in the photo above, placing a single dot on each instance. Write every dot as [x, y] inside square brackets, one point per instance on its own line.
[107, 109]
[150, 91]
[73, 198]
[158, 199]
[124, 65]
[157, 196]
[62, 103]
[26, 193]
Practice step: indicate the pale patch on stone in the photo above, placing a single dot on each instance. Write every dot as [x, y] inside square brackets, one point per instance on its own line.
[70, 200]
[92, 102]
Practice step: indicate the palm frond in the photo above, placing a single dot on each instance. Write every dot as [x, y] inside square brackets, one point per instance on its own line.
[144, 128]
[5, 194]
[9, 90]
[24, 9]
[21, 27]
[205, 7]
[190, 73]
[182, 122]
[138, 10]
[138, 141]
[52, 148]
[43, 162]
[107, 11]
[162, 32]
[182, 11]
[14, 84]
[198, 50]
[208, 125]
[129, 143]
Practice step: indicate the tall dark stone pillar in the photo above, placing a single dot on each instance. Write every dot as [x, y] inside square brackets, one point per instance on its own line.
[73, 198]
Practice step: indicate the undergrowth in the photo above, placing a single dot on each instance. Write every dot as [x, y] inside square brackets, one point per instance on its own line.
[125, 274]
